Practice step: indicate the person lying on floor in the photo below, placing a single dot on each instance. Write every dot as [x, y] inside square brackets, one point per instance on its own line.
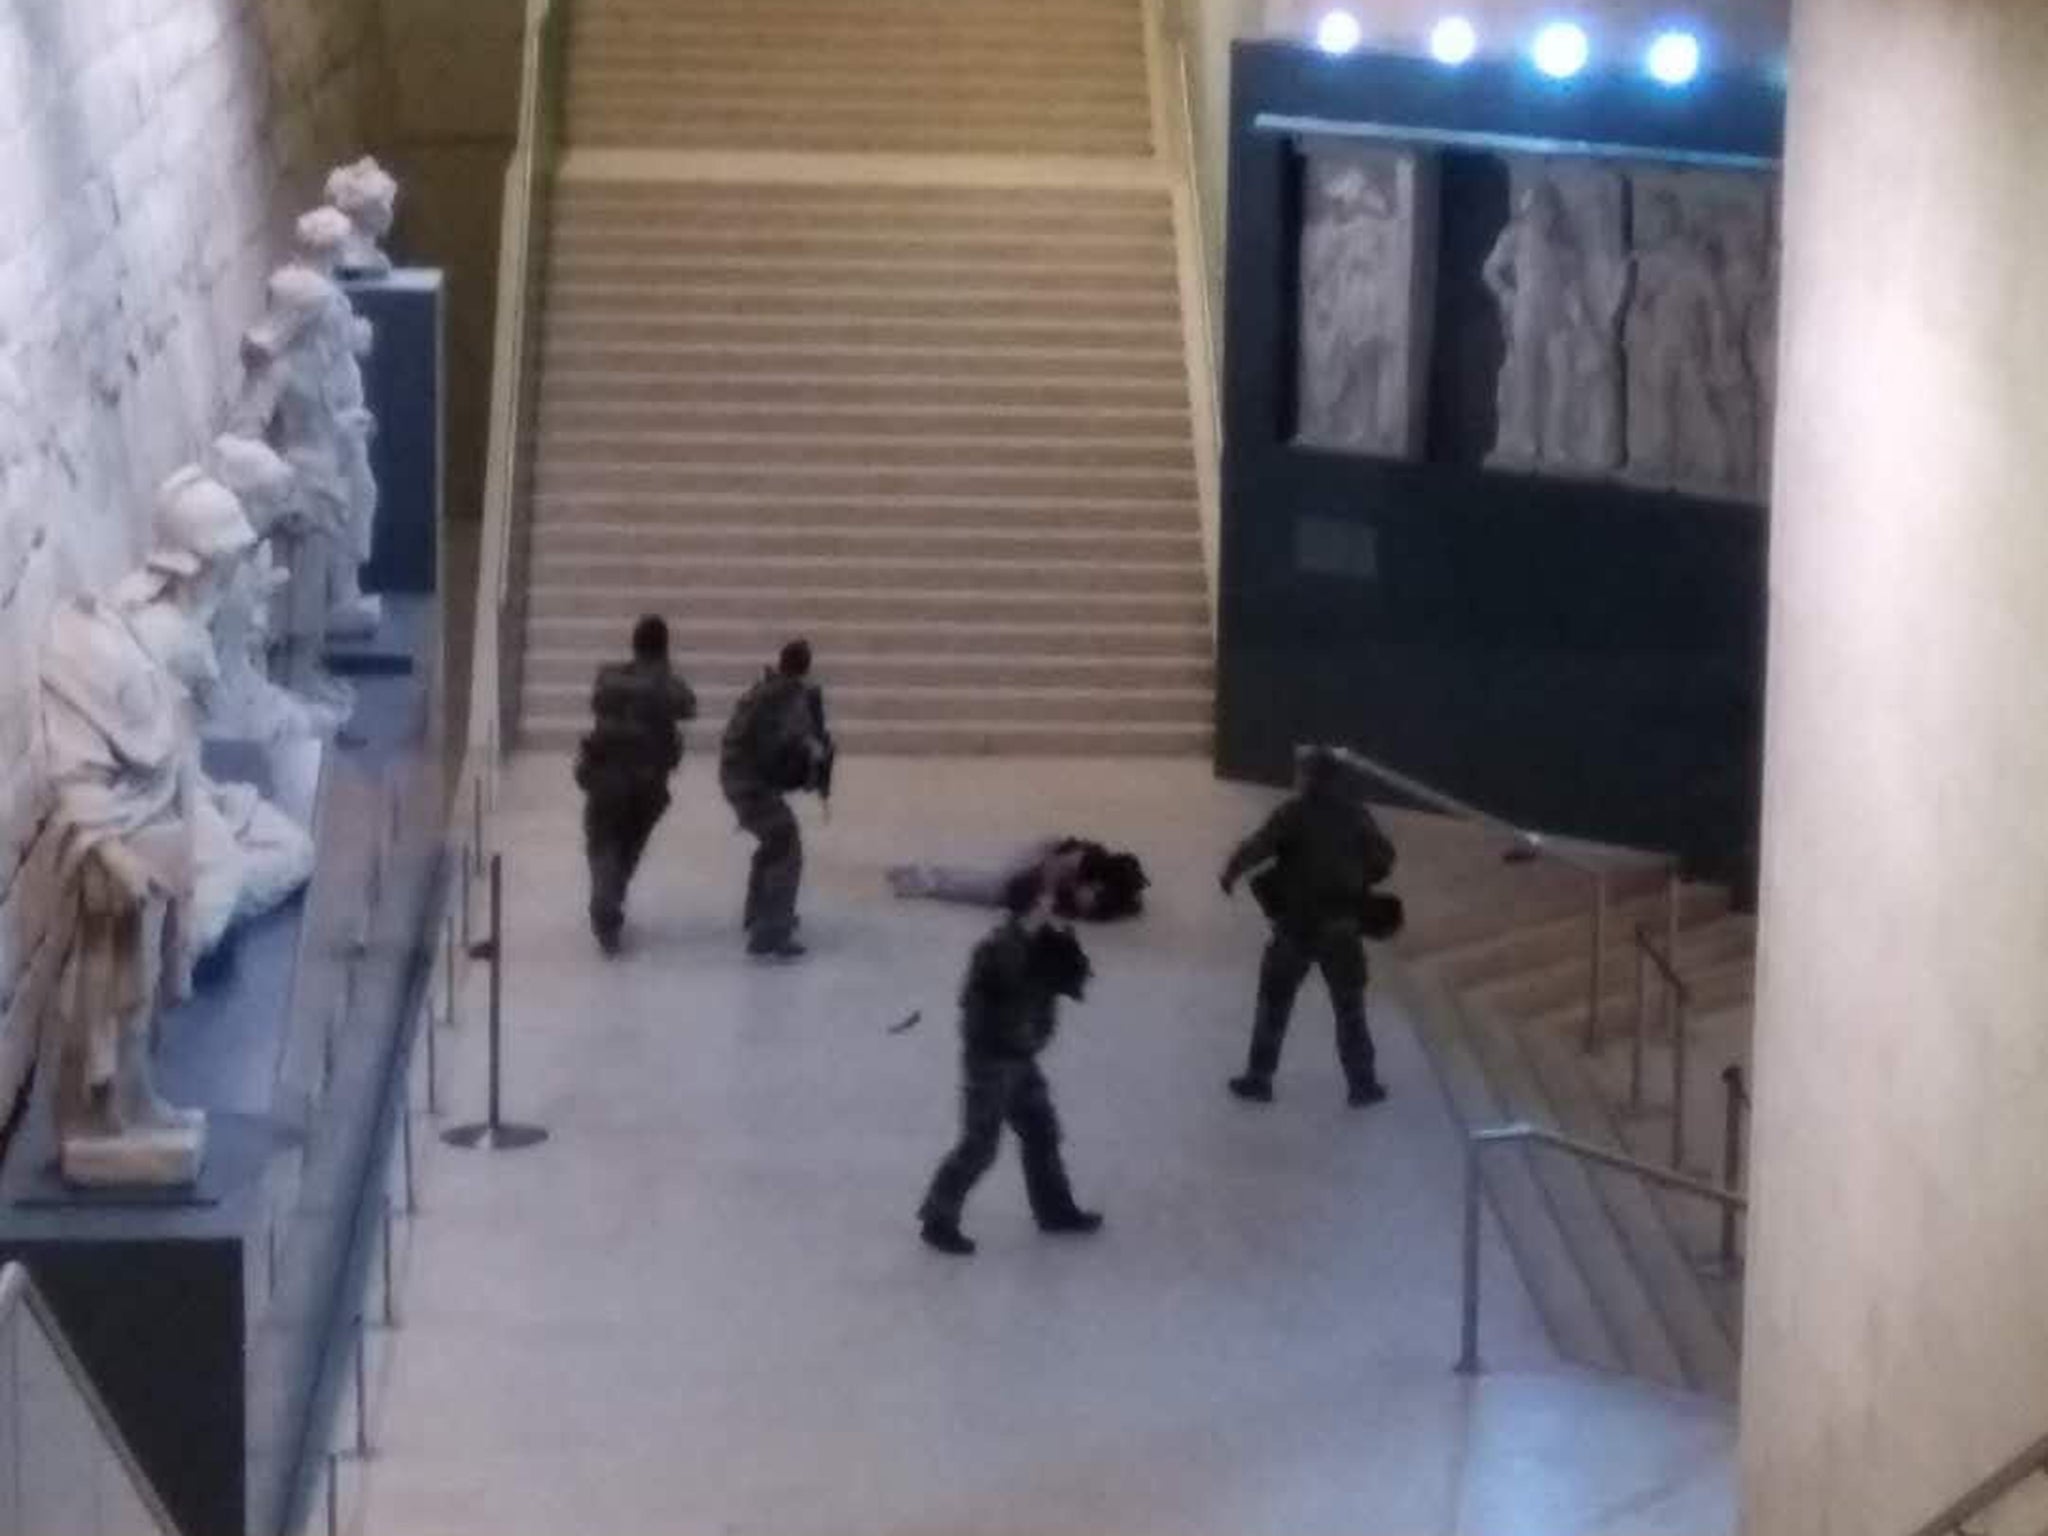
[1087, 880]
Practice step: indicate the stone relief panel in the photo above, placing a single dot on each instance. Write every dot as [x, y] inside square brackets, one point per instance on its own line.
[1702, 331]
[1364, 321]
[1559, 276]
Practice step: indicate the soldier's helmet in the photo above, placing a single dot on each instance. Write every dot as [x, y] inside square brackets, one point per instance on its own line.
[198, 520]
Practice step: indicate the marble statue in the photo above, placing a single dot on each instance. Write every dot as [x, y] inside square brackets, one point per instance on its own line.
[125, 802]
[1678, 334]
[1559, 275]
[1760, 352]
[1701, 331]
[1359, 324]
[365, 193]
[247, 856]
[245, 704]
[303, 394]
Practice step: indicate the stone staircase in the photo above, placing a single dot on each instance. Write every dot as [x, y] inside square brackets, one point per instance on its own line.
[931, 412]
[1054, 77]
[1494, 969]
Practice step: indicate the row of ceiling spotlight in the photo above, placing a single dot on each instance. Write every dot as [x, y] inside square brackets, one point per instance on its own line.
[1560, 49]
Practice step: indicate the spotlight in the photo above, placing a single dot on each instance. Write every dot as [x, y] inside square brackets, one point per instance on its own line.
[1561, 50]
[1453, 41]
[1673, 59]
[1339, 32]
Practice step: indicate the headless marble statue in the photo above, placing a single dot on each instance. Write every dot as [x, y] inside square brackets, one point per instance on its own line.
[367, 196]
[247, 856]
[126, 797]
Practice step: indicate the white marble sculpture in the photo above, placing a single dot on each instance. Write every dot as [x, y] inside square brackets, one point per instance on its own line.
[1362, 322]
[324, 238]
[1700, 327]
[1559, 274]
[245, 704]
[248, 856]
[365, 193]
[125, 804]
[303, 394]
[1678, 329]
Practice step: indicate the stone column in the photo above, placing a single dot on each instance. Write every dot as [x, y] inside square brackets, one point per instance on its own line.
[1896, 1337]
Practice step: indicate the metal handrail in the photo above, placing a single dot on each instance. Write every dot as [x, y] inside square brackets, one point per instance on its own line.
[1650, 956]
[1736, 1088]
[1535, 845]
[511, 385]
[1662, 960]
[1477, 1142]
[18, 1293]
[2033, 1460]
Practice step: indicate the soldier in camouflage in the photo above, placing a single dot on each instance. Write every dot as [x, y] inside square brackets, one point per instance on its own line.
[774, 744]
[1008, 1012]
[623, 767]
[1324, 854]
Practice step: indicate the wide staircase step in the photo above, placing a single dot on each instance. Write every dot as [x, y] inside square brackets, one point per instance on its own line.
[1498, 985]
[943, 431]
[1057, 77]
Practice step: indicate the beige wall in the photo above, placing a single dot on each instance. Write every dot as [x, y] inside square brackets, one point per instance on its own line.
[453, 113]
[1897, 1341]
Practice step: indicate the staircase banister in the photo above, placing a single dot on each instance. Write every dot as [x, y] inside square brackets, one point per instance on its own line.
[1621, 1162]
[2029, 1462]
[517, 236]
[1536, 843]
[1666, 963]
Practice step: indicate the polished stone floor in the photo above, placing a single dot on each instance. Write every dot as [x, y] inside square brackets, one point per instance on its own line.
[702, 1307]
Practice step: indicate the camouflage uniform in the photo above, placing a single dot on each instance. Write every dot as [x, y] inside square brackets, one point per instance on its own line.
[766, 752]
[1008, 1012]
[1326, 853]
[623, 768]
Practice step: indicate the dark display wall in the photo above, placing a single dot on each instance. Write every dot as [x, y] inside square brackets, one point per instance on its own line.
[1581, 656]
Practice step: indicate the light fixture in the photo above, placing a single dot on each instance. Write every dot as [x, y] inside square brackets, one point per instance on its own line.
[1339, 32]
[1673, 59]
[1453, 40]
[1561, 49]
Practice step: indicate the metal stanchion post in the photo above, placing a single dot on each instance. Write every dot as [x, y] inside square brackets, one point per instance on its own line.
[1468, 1351]
[362, 1390]
[333, 1494]
[1597, 978]
[1731, 1160]
[494, 1133]
[450, 975]
[1635, 1049]
[390, 1312]
[412, 1202]
[1678, 1033]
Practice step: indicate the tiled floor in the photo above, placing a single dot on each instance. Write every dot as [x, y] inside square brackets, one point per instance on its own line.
[701, 1306]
